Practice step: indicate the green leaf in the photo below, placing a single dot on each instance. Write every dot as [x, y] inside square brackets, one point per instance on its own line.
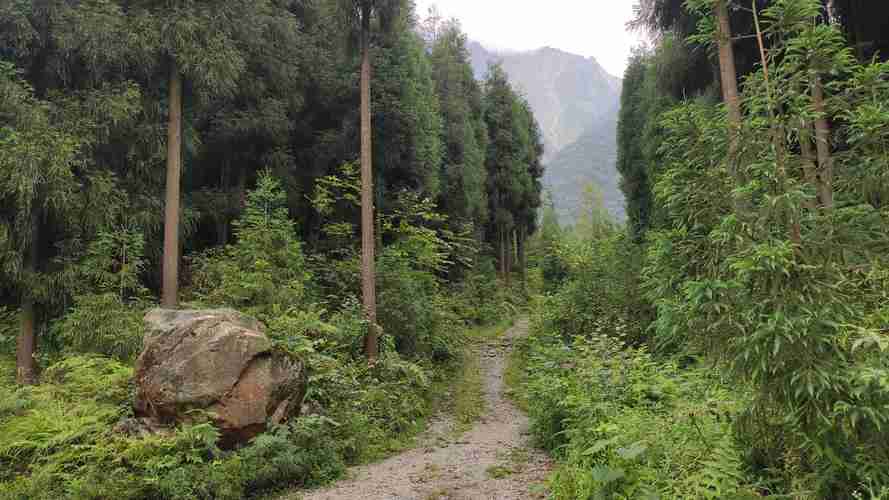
[599, 446]
[604, 474]
[633, 451]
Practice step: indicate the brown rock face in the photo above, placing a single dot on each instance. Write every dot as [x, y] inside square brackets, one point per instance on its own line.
[219, 361]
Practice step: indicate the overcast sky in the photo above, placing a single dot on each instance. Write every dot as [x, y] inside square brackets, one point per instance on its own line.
[586, 27]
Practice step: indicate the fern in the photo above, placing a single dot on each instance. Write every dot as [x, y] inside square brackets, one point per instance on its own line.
[720, 473]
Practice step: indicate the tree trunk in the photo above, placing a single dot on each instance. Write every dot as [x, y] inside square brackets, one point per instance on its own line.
[378, 220]
[501, 235]
[822, 144]
[241, 200]
[26, 373]
[225, 190]
[513, 250]
[809, 162]
[523, 264]
[368, 273]
[729, 79]
[507, 255]
[169, 297]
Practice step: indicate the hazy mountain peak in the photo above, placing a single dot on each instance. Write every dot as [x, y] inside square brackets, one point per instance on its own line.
[576, 104]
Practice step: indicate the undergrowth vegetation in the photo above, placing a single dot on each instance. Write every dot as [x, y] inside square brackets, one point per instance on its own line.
[733, 343]
[623, 421]
[220, 154]
[625, 424]
[59, 439]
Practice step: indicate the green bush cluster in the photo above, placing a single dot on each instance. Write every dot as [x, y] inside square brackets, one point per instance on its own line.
[624, 424]
[600, 286]
[782, 279]
[102, 324]
[265, 271]
[763, 224]
[481, 299]
[638, 405]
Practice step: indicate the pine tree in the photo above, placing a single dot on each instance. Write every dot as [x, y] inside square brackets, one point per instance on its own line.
[180, 36]
[463, 196]
[630, 156]
[513, 162]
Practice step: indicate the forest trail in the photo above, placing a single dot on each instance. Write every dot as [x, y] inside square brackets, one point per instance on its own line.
[494, 460]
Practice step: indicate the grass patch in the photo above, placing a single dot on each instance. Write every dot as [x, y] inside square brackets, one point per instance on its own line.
[469, 392]
[514, 462]
[483, 334]
[441, 494]
[515, 375]
[499, 471]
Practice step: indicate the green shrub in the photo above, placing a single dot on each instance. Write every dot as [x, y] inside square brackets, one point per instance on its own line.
[482, 299]
[779, 276]
[81, 397]
[625, 425]
[375, 408]
[57, 439]
[68, 451]
[108, 300]
[601, 293]
[102, 324]
[186, 465]
[264, 273]
[412, 310]
[8, 330]
[301, 454]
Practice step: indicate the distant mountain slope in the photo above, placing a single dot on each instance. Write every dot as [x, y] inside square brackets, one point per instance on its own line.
[592, 157]
[576, 104]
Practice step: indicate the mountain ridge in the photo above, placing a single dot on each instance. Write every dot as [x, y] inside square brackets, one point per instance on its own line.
[576, 102]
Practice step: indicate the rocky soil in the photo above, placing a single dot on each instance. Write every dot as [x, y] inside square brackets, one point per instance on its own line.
[493, 460]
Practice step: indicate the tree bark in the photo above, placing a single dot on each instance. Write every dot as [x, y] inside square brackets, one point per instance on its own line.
[170, 293]
[501, 235]
[514, 249]
[225, 189]
[523, 264]
[822, 144]
[241, 200]
[507, 256]
[729, 79]
[378, 221]
[810, 172]
[368, 273]
[26, 373]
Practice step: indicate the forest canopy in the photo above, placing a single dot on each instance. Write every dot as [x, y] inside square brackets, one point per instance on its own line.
[212, 153]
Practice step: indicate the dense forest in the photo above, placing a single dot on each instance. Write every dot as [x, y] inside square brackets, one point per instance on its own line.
[730, 342]
[329, 182]
[331, 168]
[576, 103]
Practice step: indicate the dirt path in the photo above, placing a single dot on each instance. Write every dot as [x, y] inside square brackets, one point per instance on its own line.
[493, 460]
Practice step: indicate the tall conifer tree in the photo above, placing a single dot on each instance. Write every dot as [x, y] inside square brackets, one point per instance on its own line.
[362, 13]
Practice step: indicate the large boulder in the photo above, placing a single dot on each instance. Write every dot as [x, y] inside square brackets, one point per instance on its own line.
[218, 361]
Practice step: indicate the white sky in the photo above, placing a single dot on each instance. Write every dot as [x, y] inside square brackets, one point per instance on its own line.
[587, 27]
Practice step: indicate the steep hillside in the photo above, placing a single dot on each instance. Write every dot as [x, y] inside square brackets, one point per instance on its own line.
[592, 157]
[576, 103]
